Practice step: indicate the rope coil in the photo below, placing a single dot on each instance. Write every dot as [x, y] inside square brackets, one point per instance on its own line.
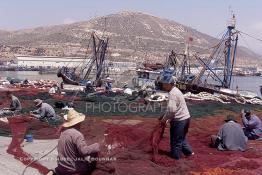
[225, 99]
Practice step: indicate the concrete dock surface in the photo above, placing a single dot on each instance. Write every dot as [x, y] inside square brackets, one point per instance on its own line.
[11, 166]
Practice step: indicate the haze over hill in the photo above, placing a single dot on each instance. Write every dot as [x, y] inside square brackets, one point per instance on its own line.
[133, 36]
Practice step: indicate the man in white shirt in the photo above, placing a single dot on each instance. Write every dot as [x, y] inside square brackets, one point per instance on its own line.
[178, 116]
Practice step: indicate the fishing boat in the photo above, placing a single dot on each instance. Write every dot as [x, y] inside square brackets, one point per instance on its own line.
[68, 76]
[224, 52]
[145, 78]
[81, 74]
[216, 73]
[149, 74]
[242, 93]
[48, 71]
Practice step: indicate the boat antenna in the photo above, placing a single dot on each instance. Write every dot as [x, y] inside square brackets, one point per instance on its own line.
[104, 28]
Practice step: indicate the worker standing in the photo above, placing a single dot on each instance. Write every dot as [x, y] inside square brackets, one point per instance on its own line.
[108, 84]
[89, 87]
[55, 89]
[179, 117]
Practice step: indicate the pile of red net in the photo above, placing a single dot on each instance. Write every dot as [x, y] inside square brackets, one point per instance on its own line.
[134, 146]
[18, 127]
[131, 146]
[156, 137]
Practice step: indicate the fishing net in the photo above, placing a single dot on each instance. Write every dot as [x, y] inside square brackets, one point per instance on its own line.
[117, 104]
[155, 139]
[134, 140]
[129, 142]
[18, 126]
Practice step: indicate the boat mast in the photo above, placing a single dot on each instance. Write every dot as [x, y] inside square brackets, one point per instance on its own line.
[186, 60]
[228, 62]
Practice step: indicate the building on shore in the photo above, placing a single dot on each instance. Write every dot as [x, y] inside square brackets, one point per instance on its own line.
[52, 62]
[49, 61]
[116, 66]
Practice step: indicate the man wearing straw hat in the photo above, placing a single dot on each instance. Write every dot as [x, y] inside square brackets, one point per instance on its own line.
[74, 155]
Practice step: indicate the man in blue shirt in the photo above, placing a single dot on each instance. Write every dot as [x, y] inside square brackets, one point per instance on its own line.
[252, 124]
[45, 112]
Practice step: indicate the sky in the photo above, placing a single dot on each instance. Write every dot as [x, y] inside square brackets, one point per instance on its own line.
[207, 16]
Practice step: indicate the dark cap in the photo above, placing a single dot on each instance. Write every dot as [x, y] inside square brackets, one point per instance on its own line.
[247, 112]
[230, 118]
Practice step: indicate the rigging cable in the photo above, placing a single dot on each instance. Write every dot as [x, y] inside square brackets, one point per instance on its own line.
[217, 45]
[246, 43]
[251, 36]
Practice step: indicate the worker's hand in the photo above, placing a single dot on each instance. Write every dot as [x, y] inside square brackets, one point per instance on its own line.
[50, 173]
[4, 119]
[32, 115]
[242, 113]
[103, 149]
[164, 120]
[96, 147]
[102, 145]
[162, 117]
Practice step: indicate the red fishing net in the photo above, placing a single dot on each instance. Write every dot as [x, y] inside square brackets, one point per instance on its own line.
[135, 144]
[18, 127]
[156, 137]
[131, 143]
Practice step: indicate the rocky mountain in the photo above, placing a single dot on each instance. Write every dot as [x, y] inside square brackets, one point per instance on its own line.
[133, 36]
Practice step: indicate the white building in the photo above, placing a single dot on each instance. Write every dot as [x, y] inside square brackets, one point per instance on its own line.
[49, 61]
[121, 66]
[58, 62]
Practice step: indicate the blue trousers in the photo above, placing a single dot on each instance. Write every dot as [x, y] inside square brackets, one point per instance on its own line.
[178, 143]
[251, 135]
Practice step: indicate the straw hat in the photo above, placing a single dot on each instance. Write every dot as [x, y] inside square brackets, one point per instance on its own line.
[38, 102]
[73, 118]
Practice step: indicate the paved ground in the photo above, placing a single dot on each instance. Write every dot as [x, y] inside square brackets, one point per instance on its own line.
[10, 166]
